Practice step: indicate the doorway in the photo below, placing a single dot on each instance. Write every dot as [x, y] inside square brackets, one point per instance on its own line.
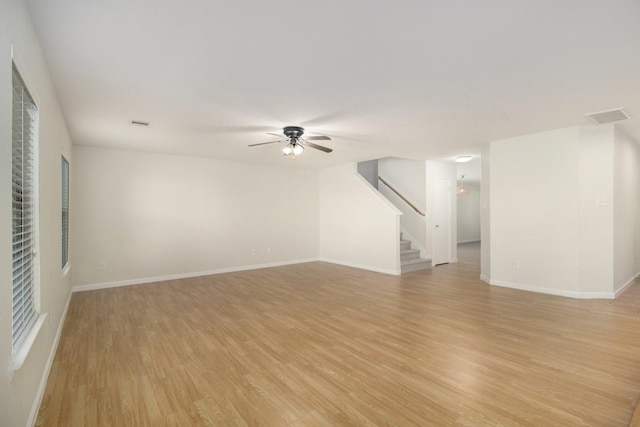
[468, 204]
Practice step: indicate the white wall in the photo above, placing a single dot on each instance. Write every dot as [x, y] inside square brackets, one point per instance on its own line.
[626, 209]
[564, 211]
[21, 390]
[358, 227]
[408, 177]
[468, 218]
[153, 216]
[369, 171]
[534, 211]
[596, 198]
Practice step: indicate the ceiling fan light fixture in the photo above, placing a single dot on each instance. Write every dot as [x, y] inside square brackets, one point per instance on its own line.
[294, 141]
[292, 149]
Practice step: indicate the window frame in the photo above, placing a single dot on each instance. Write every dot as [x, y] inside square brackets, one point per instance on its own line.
[65, 212]
[25, 319]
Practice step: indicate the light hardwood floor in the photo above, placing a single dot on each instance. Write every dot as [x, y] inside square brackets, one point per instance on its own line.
[322, 345]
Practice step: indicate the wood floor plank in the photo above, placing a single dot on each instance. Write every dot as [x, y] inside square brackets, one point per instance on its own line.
[321, 344]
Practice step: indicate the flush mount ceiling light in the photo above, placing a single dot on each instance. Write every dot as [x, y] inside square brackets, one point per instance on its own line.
[463, 159]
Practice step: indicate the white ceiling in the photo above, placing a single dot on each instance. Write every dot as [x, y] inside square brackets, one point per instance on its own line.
[421, 79]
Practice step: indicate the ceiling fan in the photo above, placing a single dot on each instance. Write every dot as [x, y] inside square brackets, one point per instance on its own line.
[295, 142]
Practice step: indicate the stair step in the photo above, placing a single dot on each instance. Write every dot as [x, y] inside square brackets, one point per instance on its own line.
[409, 254]
[415, 265]
[410, 258]
[415, 261]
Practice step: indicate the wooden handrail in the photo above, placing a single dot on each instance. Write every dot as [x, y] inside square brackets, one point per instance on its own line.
[404, 199]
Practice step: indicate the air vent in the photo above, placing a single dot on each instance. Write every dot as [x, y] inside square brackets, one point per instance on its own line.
[139, 123]
[609, 116]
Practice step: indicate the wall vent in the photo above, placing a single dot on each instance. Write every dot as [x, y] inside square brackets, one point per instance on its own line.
[608, 116]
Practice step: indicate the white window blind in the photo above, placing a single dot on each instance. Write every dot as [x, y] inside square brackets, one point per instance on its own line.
[65, 212]
[24, 179]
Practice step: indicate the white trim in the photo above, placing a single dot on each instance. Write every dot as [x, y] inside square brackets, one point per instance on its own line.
[25, 347]
[47, 369]
[65, 270]
[550, 291]
[485, 279]
[362, 267]
[624, 287]
[139, 281]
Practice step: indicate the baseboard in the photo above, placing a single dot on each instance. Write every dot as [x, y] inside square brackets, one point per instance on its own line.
[485, 279]
[559, 292]
[139, 281]
[361, 267]
[624, 287]
[33, 414]
[142, 280]
[469, 241]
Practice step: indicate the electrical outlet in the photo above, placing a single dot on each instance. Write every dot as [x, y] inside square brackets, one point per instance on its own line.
[253, 251]
[102, 265]
[516, 264]
[268, 251]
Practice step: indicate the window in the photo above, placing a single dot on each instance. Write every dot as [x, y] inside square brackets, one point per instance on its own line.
[24, 211]
[65, 212]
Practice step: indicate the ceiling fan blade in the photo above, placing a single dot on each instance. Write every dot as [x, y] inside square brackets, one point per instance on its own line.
[317, 138]
[318, 147]
[263, 143]
[279, 135]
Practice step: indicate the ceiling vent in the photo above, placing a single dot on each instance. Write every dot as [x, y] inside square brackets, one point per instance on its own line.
[609, 116]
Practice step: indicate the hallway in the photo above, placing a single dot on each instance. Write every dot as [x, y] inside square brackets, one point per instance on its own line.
[469, 253]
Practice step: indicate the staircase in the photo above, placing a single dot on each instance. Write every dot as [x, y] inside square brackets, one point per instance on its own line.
[410, 258]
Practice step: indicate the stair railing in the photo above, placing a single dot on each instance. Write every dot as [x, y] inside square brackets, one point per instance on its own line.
[404, 199]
